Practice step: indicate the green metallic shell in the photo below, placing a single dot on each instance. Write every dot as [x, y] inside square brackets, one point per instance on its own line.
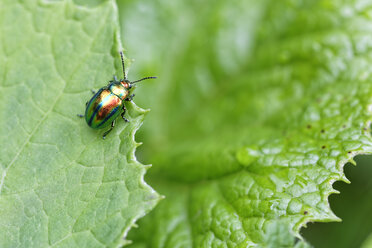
[105, 106]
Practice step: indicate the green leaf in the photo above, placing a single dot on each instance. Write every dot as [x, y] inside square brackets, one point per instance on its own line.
[259, 107]
[61, 184]
[368, 242]
[352, 206]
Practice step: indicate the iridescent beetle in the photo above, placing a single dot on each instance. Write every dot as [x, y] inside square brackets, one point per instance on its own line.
[105, 106]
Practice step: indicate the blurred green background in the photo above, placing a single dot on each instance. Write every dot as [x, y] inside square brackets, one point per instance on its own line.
[200, 50]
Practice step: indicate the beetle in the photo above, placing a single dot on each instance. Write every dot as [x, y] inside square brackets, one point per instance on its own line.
[105, 106]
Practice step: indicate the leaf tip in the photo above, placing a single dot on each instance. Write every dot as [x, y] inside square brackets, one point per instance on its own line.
[147, 166]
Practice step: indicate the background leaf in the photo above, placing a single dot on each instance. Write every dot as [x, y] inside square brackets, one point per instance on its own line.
[61, 185]
[352, 206]
[368, 242]
[258, 108]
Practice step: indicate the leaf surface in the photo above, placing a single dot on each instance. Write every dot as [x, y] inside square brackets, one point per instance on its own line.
[61, 185]
[259, 108]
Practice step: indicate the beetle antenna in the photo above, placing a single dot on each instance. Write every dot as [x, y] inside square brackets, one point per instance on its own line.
[122, 63]
[142, 79]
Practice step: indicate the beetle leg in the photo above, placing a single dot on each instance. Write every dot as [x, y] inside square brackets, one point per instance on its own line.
[115, 79]
[125, 119]
[122, 114]
[81, 116]
[112, 126]
[130, 98]
[93, 92]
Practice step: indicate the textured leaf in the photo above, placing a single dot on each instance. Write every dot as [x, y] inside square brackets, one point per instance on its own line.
[260, 106]
[61, 185]
[352, 206]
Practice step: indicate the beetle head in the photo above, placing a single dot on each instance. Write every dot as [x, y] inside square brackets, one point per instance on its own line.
[126, 83]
